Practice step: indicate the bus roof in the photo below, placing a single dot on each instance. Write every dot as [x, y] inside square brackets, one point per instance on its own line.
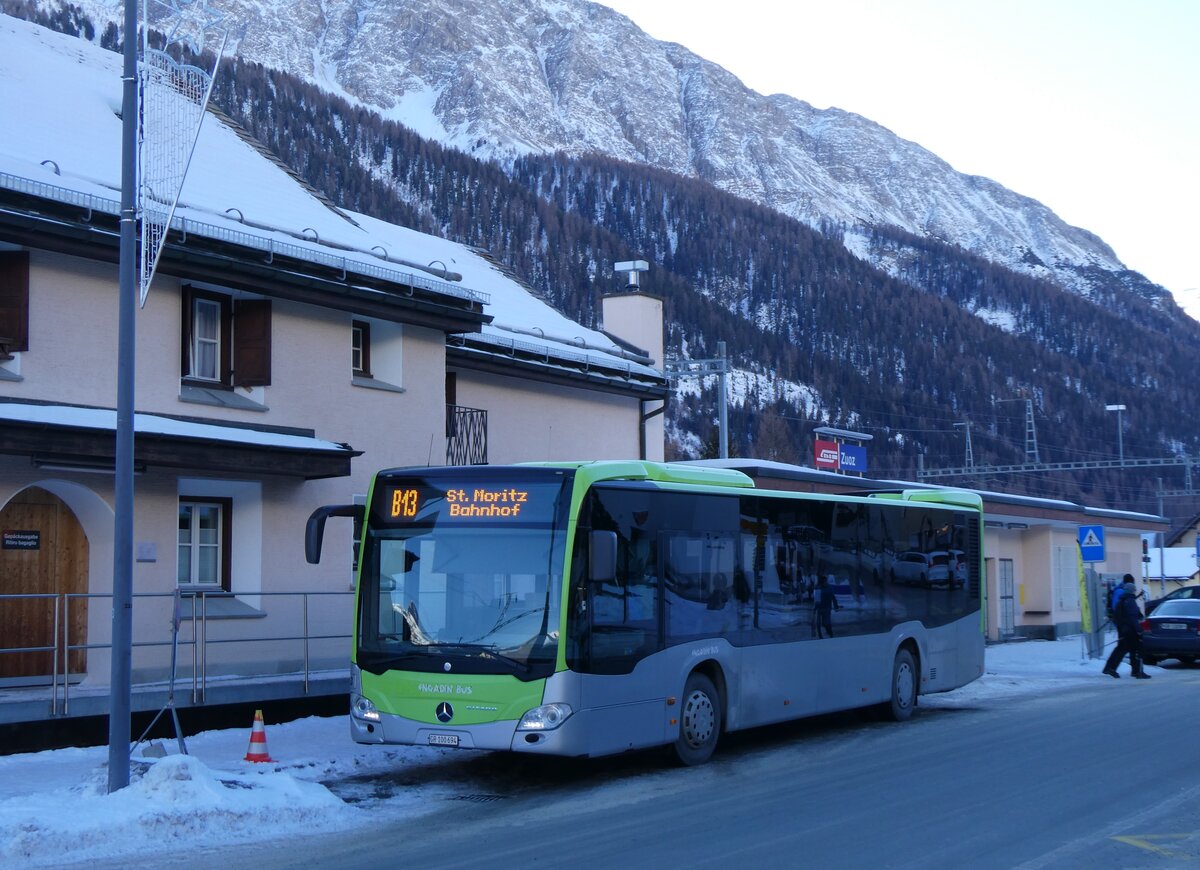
[662, 472]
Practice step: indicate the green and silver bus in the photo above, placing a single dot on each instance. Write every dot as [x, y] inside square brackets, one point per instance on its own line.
[590, 608]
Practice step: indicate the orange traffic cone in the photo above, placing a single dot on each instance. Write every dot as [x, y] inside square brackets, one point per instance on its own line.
[257, 750]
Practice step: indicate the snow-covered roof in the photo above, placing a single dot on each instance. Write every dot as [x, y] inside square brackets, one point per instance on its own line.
[101, 419]
[62, 141]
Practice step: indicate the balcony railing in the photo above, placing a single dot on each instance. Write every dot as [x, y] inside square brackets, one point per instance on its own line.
[466, 436]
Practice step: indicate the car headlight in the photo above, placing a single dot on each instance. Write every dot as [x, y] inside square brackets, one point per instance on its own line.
[364, 708]
[545, 718]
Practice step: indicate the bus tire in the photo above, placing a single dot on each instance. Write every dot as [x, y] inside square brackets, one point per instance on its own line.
[904, 687]
[699, 721]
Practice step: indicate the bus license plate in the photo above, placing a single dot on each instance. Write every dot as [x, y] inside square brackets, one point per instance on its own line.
[443, 739]
[1174, 626]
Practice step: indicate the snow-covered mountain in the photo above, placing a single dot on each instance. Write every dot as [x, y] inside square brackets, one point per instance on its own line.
[500, 78]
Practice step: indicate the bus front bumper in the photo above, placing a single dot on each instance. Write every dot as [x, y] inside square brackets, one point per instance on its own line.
[389, 728]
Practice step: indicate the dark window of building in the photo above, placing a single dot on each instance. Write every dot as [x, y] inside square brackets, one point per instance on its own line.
[14, 302]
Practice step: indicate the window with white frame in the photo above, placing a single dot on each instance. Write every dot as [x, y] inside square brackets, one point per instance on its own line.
[360, 348]
[377, 354]
[206, 339]
[203, 544]
[226, 342]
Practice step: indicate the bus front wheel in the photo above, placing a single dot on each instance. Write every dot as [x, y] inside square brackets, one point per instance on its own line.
[904, 687]
[699, 721]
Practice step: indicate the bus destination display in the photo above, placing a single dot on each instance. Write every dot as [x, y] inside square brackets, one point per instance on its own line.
[475, 502]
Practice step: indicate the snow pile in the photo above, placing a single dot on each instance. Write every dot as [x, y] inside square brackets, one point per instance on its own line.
[174, 801]
[54, 808]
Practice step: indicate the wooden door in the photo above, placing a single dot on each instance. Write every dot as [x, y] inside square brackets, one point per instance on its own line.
[43, 551]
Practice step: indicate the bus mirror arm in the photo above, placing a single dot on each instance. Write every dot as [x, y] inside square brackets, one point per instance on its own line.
[602, 556]
[314, 532]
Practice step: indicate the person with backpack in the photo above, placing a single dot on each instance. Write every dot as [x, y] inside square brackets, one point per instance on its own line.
[1127, 616]
[1114, 597]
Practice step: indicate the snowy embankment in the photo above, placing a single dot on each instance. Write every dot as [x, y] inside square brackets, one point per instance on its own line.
[55, 809]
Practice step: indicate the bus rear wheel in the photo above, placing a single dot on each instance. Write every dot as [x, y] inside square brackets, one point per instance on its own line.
[699, 721]
[904, 688]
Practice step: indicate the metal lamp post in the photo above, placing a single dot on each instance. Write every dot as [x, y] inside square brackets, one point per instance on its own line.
[1120, 430]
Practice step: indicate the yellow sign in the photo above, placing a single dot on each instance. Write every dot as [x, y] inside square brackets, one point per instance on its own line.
[1085, 610]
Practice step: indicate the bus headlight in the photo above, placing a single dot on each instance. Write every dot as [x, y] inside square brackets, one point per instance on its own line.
[364, 708]
[545, 718]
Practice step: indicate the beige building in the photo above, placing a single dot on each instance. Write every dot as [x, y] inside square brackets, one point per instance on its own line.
[285, 351]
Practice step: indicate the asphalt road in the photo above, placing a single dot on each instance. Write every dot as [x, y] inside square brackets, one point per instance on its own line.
[1097, 777]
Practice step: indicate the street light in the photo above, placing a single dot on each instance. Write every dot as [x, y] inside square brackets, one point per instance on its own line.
[1120, 429]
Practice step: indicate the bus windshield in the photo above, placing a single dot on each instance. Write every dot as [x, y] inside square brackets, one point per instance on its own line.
[463, 568]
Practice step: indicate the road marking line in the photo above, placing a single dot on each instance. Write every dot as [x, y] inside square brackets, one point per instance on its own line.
[1144, 842]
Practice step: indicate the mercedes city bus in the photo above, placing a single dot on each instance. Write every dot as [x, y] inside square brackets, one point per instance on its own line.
[590, 608]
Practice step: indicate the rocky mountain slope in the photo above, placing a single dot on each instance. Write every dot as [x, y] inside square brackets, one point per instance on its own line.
[503, 78]
[862, 326]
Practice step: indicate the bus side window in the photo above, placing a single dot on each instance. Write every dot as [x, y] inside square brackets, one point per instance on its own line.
[699, 591]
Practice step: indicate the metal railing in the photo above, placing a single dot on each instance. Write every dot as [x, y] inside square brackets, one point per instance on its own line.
[466, 436]
[182, 632]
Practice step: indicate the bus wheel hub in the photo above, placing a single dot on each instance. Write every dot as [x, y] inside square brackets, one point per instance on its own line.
[698, 719]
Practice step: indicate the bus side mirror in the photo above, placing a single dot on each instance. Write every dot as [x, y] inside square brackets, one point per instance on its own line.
[602, 557]
[314, 532]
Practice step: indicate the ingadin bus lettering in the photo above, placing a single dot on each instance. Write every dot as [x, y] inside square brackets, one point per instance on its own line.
[443, 689]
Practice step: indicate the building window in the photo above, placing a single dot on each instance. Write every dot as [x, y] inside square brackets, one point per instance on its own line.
[206, 339]
[360, 348]
[204, 543]
[14, 303]
[225, 342]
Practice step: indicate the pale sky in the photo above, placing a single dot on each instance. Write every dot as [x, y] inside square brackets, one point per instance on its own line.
[1089, 106]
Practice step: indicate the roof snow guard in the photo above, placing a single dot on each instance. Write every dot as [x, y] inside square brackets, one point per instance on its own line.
[554, 364]
[64, 218]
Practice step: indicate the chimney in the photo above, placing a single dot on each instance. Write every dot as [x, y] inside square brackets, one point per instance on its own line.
[636, 318]
[633, 316]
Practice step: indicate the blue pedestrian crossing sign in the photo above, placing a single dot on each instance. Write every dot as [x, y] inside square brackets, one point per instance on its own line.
[1091, 543]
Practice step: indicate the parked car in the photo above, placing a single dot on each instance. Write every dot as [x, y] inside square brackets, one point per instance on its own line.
[924, 569]
[1172, 631]
[1185, 593]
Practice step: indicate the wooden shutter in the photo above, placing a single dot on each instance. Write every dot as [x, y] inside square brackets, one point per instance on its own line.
[251, 342]
[185, 331]
[14, 300]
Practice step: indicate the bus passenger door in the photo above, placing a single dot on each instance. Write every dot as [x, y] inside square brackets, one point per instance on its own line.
[622, 688]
